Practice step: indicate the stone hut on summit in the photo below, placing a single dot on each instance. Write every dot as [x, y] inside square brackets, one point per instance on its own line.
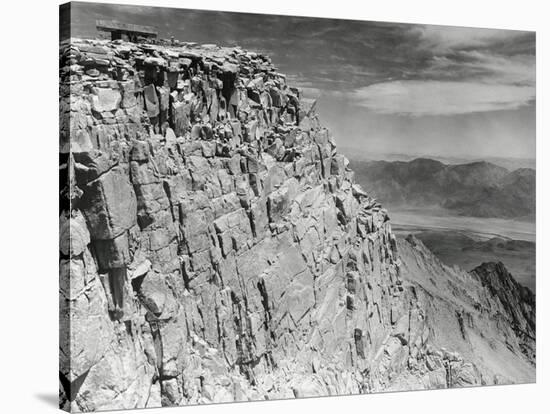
[114, 30]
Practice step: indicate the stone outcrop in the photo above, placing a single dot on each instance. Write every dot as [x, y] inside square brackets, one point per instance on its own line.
[514, 303]
[214, 246]
[483, 316]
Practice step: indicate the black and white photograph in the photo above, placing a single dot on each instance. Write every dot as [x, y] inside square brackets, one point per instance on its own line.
[266, 207]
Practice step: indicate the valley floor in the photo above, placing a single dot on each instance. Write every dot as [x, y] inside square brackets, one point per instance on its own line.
[482, 228]
[469, 241]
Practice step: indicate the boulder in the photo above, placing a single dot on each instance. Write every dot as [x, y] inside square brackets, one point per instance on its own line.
[109, 205]
[106, 100]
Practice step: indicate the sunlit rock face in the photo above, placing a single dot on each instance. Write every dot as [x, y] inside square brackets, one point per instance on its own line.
[214, 246]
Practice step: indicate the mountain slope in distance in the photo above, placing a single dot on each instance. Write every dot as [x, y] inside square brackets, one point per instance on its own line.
[454, 247]
[485, 315]
[478, 189]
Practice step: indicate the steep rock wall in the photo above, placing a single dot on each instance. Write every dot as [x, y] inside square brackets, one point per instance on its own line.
[219, 249]
[484, 316]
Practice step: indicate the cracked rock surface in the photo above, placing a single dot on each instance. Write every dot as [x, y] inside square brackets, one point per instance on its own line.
[214, 246]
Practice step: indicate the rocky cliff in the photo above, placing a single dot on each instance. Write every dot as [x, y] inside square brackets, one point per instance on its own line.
[484, 317]
[214, 246]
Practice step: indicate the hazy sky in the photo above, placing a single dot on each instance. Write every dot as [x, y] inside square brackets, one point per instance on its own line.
[381, 87]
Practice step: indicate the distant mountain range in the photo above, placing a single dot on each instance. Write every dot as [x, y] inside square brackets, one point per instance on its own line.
[510, 163]
[478, 189]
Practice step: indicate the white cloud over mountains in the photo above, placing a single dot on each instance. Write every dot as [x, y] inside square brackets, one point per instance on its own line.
[441, 39]
[464, 75]
[433, 97]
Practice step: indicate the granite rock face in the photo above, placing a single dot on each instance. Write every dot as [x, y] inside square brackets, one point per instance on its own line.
[514, 303]
[483, 317]
[214, 246]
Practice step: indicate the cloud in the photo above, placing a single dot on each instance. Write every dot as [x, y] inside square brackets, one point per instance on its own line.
[442, 39]
[433, 97]
[467, 71]
[518, 69]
